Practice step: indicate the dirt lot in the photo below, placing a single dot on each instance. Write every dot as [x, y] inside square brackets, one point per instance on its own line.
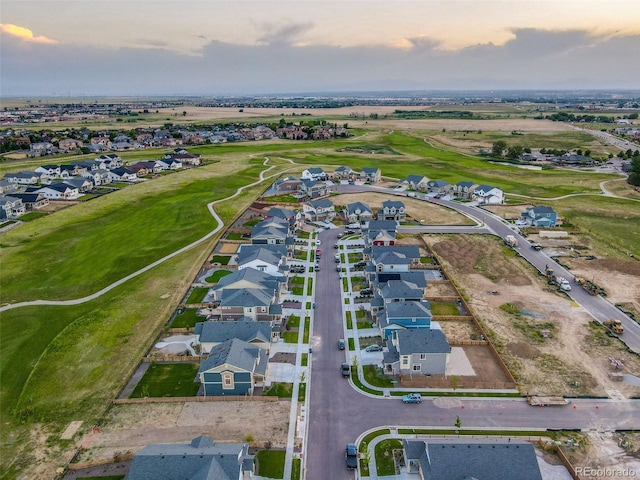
[417, 209]
[128, 428]
[572, 360]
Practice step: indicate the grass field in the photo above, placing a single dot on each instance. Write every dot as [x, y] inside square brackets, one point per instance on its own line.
[270, 463]
[98, 234]
[197, 295]
[444, 308]
[217, 275]
[168, 380]
[187, 319]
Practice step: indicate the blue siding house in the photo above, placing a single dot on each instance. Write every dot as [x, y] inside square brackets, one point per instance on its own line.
[540, 216]
[234, 367]
[404, 315]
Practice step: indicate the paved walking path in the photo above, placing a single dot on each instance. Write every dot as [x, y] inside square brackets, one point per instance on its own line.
[108, 288]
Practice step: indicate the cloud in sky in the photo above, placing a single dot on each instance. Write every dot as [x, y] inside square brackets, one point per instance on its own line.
[287, 34]
[24, 34]
[532, 59]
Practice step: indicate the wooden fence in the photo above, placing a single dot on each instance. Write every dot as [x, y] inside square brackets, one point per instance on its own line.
[118, 457]
[222, 398]
[175, 359]
[458, 343]
[452, 318]
[495, 353]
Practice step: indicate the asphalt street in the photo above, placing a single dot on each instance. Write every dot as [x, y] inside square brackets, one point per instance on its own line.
[338, 413]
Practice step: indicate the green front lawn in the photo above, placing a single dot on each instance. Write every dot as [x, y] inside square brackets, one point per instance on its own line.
[217, 275]
[290, 337]
[296, 280]
[297, 290]
[385, 463]
[278, 389]
[270, 463]
[168, 380]
[234, 236]
[374, 376]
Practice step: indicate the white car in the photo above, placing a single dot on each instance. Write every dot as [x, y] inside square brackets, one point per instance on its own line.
[318, 242]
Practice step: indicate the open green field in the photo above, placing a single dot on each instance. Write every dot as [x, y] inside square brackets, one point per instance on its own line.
[99, 245]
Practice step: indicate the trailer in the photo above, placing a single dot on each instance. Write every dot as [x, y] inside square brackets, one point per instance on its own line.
[511, 241]
[547, 401]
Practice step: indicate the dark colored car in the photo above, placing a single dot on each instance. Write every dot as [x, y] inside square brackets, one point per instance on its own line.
[373, 348]
[345, 369]
[351, 455]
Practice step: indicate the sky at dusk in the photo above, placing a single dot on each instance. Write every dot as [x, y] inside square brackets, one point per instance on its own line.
[219, 47]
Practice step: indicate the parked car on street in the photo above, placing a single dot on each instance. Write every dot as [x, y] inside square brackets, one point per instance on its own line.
[341, 344]
[351, 455]
[345, 369]
[412, 398]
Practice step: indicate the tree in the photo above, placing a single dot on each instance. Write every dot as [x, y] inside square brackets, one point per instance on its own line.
[634, 173]
[514, 152]
[498, 147]
[458, 423]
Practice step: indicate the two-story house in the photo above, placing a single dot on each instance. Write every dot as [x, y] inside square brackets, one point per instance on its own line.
[487, 195]
[540, 216]
[417, 352]
[463, 189]
[319, 210]
[392, 210]
[358, 212]
[370, 175]
[314, 173]
[440, 187]
[416, 182]
[380, 232]
[409, 315]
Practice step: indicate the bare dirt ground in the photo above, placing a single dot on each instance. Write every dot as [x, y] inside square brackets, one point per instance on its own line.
[620, 278]
[520, 124]
[416, 209]
[508, 212]
[228, 247]
[128, 428]
[613, 454]
[458, 331]
[573, 360]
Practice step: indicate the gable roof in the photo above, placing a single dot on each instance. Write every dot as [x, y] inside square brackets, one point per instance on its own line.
[315, 170]
[541, 210]
[321, 203]
[474, 459]
[400, 289]
[236, 352]
[202, 459]
[262, 254]
[248, 249]
[245, 297]
[401, 251]
[268, 232]
[391, 204]
[415, 178]
[247, 276]
[417, 277]
[422, 340]
[353, 207]
[370, 170]
[438, 183]
[484, 189]
[279, 212]
[465, 184]
[221, 331]
[408, 309]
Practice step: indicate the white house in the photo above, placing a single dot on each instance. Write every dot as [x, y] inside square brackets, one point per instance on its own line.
[59, 191]
[486, 194]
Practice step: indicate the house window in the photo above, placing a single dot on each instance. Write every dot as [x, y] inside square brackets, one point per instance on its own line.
[416, 368]
[423, 356]
[405, 360]
[227, 381]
